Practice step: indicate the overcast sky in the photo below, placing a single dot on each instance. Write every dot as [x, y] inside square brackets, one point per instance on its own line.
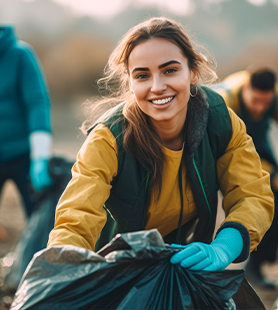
[109, 8]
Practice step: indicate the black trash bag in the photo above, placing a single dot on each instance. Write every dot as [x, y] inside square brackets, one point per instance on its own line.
[35, 235]
[247, 298]
[133, 271]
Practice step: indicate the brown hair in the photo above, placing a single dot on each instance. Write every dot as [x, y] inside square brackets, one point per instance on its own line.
[140, 139]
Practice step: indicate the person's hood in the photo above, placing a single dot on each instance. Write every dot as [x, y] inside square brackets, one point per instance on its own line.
[7, 38]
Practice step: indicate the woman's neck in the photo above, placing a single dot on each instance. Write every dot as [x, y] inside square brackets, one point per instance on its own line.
[171, 135]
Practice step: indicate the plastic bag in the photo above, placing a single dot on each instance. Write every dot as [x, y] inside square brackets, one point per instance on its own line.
[35, 235]
[133, 271]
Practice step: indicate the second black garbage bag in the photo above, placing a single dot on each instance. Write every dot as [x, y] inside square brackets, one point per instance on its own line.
[133, 271]
[35, 235]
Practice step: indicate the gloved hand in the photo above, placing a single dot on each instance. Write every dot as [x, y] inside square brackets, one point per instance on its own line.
[39, 174]
[226, 247]
[40, 145]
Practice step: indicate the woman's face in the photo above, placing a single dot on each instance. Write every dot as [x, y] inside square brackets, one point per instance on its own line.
[160, 80]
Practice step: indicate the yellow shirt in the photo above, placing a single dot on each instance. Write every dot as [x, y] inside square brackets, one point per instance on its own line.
[80, 215]
[164, 215]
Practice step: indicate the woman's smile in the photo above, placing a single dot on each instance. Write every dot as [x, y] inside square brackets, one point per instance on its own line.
[162, 101]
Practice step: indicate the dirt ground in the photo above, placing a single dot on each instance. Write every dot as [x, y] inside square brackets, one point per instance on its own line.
[67, 142]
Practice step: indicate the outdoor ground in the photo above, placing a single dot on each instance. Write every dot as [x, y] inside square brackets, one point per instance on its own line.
[67, 143]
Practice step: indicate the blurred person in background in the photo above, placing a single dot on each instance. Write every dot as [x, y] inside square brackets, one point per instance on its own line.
[159, 156]
[253, 95]
[25, 121]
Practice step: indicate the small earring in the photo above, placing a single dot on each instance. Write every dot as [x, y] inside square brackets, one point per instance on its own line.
[196, 92]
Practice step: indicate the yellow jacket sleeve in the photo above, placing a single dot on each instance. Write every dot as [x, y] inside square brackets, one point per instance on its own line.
[80, 215]
[230, 87]
[248, 198]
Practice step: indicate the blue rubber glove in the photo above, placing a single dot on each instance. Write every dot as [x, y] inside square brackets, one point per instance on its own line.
[226, 247]
[39, 174]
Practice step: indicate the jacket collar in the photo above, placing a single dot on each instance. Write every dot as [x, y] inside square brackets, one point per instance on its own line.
[196, 120]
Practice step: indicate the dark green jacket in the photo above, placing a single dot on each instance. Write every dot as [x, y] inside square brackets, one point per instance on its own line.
[208, 132]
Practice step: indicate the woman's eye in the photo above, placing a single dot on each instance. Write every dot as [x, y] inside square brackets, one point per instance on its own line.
[142, 76]
[171, 70]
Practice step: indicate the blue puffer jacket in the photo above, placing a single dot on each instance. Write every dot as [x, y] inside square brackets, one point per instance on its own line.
[24, 100]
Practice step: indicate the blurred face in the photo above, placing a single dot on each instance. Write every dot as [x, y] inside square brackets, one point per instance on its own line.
[256, 101]
[160, 80]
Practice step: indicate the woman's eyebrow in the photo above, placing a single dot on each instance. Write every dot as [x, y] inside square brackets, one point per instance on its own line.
[159, 67]
[169, 63]
[140, 69]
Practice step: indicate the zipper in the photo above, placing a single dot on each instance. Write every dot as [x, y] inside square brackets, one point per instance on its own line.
[147, 182]
[200, 180]
[146, 200]
[178, 236]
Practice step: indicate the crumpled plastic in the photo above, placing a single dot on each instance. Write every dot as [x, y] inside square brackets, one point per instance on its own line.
[133, 271]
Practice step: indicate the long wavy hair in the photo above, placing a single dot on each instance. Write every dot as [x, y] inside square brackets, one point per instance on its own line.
[140, 138]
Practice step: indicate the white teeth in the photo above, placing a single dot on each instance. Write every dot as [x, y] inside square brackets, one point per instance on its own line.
[162, 101]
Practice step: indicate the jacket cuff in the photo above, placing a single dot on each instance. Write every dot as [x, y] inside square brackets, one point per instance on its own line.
[245, 236]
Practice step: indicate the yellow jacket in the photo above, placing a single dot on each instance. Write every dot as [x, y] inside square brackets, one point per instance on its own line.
[80, 215]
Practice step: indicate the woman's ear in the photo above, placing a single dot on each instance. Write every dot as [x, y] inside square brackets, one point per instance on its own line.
[194, 76]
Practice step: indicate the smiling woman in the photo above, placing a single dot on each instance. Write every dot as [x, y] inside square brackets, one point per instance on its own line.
[160, 80]
[158, 157]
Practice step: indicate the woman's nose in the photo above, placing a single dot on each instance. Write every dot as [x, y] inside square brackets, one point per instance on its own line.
[158, 85]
